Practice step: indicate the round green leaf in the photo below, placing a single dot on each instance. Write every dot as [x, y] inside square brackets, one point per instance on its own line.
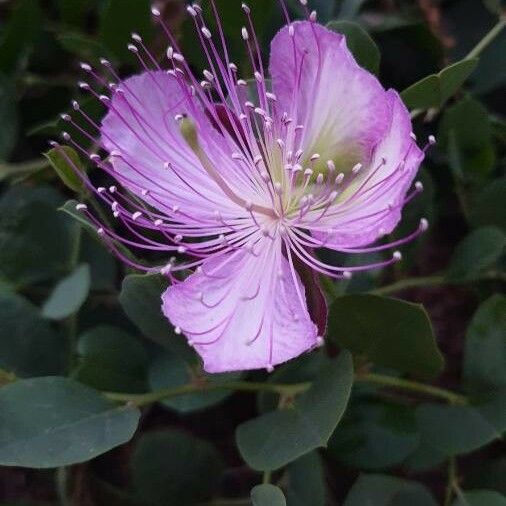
[360, 43]
[485, 352]
[169, 370]
[28, 344]
[279, 437]
[478, 251]
[36, 241]
[53, 421]
[389, 332]
[111, 360]
[374, 436]
[466, 133]
[489, 207]
[267, 495]
[306, 481]
[381, 490]
[454, 430]
[141, 299]
[68, 295]
[171, 467]
[480, 498]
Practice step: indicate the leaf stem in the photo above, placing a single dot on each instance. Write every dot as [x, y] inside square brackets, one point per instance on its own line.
[412, 386]
[140, 400]
[436, 280]
[289, 390]
[452, 481]
[487, 39]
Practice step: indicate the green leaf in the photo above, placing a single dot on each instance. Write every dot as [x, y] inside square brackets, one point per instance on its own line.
[65, 161]
[478, 251]
[455, 430]
[280, 437]
[171, 467]
[35, 240]
[381, 490]
[389, 332]
[360, 43]
[485, 351]
[118, 20]
[19, 33]
[480, 498]
[51, 422]
[170, 370]
[68, 295]
[306, 481]
[111, 360]
[436, 89]
[489, 207]
[141, 299]
[267, 495]
[466, 133]
[28, 344]
[374, 436]
[8, 120]
[103, 267]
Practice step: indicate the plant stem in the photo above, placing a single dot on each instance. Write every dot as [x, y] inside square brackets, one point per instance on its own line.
[437, 280]
[452, 481]
[412, 386]
[140, 400]
[240, 386]
[266, 478]
[61, 479]
[487, 39]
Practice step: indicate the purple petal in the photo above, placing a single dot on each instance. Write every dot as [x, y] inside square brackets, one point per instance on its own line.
[243, 310]
[372, 206]
[318, 83]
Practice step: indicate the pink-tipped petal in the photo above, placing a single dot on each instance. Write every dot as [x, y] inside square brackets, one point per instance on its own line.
[242, 311]
[142, 132]
[372, 205]
[318, 83]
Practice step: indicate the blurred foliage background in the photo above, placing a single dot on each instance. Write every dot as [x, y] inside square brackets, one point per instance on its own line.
[72, 317]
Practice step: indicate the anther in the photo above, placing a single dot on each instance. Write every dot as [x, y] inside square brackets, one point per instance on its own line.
[246, 9]
[331, 165]
[356, 168]
[291, 31]
[208, 75]
[339, 178]
[100, 231]
[419, 186]
[136, 215]
[65, 117]
[424, 224]
[133, 48]
[85, 66]
[413, 135]
[271, 96]
[81, 207]
[258, 76]
[155, 12]
[177, 330]
[315, 157]
[397, 256]
[244, 33]
[191, 11]
[136, 37]
[319, 341]
[347, 275]
[206, 32]
[313, 16]
[269, 368]
[241, 82]
[432, 140]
